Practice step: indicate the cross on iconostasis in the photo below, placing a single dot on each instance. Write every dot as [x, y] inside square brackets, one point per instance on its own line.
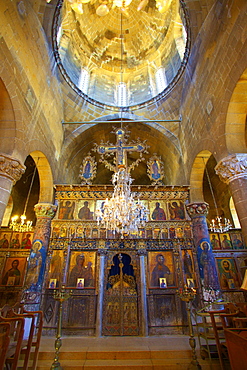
[121, 149]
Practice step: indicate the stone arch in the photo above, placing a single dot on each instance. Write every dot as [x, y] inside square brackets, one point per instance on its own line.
[8, 211]
[7, 121]
[236, 137]
[82, 140]
[45, 177]
[196, 176]
[234, 214]
[126, 116]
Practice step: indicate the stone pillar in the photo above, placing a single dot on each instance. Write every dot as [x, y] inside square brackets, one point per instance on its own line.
[37, 260]
[206, 261]
[144, 319]
[102, 253]
[11, 170]
[233, 171]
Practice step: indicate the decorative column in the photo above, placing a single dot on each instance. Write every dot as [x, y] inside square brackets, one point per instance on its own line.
[144, 320]
[11, 170]
[233, 171]
[36, 265]
[206, 261]
[102, 253]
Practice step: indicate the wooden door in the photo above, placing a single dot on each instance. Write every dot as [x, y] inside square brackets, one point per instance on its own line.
[120, 314]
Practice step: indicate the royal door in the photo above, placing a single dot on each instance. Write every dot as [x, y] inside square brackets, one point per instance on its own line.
[120, 313]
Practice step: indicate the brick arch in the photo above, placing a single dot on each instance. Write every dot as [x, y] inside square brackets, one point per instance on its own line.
[236, 118]
[196, 176]
[45, 177]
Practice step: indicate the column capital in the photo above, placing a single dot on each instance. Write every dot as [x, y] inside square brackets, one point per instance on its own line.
[45, 210]
[102, 252]
[197, 209]
[142, 252]
[232, 167]
[11, 167]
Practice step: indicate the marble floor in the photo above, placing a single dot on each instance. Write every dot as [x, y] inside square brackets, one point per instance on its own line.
[87, 353]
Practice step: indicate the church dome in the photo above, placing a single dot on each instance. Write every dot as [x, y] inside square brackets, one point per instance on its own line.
[121, 53]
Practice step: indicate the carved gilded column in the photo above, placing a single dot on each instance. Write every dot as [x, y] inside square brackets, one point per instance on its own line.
[11, 170]
[206, 261]
[37, 260]
[144, 320]
[102, 253]
[233, 171]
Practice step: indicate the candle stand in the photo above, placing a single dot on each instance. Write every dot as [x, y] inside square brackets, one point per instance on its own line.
[60, 295]
[187, 295]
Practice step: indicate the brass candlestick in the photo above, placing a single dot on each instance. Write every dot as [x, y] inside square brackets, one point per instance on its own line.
[188, 295]
[60, 295]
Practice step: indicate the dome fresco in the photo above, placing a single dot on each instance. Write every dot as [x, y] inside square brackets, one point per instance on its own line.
[118, 53]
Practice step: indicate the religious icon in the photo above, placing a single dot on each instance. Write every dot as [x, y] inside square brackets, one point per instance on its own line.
[190, 283]
[176, 210]
[141, 233]
[56, 264]
[110, 234]
[102, 233]
[63, 232]
[82, 267]
[164, 233]
[187, 232]
[2, 260]
[172, 232]
[26, 242]
[14, 271]
[55, 232]
[95, 233]
[225, 241]
[228, 275]
[80, 283]
[157, 211]
[36, 264]
[52, 283]
[215, 242]
[66, 210]
[237, 241]
[80, 232]
[161, 266]
[206, 264]
[188, 265]
[163, 283]
[15, 241]
[88, 170]
[156, 233]
[179, 232]
[5, 239]
[86, 210]
[155, 169]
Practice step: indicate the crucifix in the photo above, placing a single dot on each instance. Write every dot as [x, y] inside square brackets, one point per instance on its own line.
[121, 149]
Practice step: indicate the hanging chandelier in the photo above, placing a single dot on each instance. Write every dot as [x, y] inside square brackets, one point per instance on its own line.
[217, 224]
[220, 225]
[23, 225]
[104, 6]
[122, 213]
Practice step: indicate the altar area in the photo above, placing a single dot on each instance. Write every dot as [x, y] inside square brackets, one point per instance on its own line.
[124, 286]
